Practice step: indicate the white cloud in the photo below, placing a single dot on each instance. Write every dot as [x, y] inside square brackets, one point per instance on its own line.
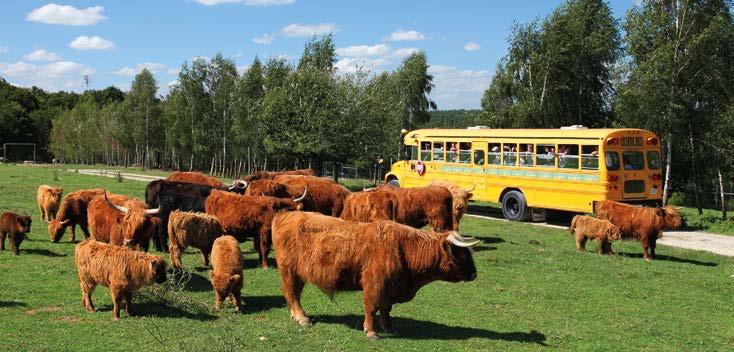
[4, 49]
[352, 65]
[42, 55]
[91, 43]
[67, 15]
[402, 35]
[173, 83]
[173, 71]
[458, 89]
[300, 30]
[364, 50]
[153, 67]
[264, 39]
[53, 76]
[247, 2]
[403, 52]
[471, 46]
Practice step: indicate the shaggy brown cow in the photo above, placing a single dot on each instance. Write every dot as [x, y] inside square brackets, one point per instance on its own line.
[460, 196]
[120, 269]
[269, 175]
[267, 188]
[122, 220]
[73, 211]
[16, 227]
[195, 177]
[389, 262]
[370, 205]
[421, 206]
[602, 231]
[643, 224]
[326, 196]
[249, 216]
[226, 271]
[48, 199]
[192, 229]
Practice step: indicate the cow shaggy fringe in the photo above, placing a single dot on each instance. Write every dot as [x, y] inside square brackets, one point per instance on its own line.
[120, 269]
[226, 271]
[197, 230]
[195, 177]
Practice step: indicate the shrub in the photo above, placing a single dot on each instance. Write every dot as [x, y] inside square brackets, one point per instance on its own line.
[677, 199]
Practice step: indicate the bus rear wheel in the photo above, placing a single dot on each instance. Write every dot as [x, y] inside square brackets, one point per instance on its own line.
[515, 207]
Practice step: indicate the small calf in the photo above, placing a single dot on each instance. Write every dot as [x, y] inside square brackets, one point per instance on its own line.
[122, 270]
[49, 199]
[192, 229]
[603, 231]
[226, 271]
[16, 227]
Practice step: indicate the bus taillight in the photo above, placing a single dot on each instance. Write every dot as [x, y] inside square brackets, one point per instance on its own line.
[652, 141]
[612, 141]
[657, 177]
[612, 178]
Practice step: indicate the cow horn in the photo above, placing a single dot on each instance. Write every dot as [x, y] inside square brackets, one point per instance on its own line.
[369, 189]
[473, 187]
[677, 208]
[66, 222]
[151, 212]
[238, 184]
[302, 197]
[262, 193]
[455, 240]
[113, 206]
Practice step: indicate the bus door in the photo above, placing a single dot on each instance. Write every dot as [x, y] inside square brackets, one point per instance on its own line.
[479, 162]
[633, 167]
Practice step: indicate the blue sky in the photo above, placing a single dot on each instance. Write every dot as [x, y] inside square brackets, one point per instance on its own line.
[53, 45]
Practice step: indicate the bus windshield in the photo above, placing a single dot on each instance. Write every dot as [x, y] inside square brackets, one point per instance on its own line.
[633, 160]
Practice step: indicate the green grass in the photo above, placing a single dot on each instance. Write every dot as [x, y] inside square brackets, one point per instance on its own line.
[533, 292]
[710, 221]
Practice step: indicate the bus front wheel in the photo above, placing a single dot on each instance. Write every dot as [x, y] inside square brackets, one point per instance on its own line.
[515, 207]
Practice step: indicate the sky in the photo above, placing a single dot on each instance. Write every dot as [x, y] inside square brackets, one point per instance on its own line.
[54, 45]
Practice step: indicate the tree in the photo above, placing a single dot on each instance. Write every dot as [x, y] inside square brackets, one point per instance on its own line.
[414, 86]
[558, 72]
[143, 111]
[678, 82]
[220, 85]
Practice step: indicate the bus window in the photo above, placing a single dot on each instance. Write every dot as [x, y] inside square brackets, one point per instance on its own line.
[633, 161]
[509, 154]
[426, 151]
[653, 160]
[612, 161]
[479, 157]
[465, 153]
[413, 153]
[452, 152]
[526, 155]
[568, 156]
[494, 157]
[589, 157]
[437, 151]
[545, 156]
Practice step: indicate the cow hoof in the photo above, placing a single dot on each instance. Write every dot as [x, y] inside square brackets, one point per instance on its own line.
[116, 318]
[373, 335]
[305, 322]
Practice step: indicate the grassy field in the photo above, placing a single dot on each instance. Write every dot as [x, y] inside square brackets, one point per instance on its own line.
[533, 292]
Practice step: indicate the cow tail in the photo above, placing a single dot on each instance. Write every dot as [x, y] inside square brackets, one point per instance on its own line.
[573, 224]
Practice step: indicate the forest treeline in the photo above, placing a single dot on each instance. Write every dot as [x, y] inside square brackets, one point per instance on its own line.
[666, 66]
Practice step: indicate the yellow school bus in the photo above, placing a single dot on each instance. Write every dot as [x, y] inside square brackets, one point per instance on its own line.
[530, 170]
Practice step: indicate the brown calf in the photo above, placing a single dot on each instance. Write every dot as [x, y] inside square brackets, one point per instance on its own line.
[16, 227]
[48, 199]
[226, 271]
[602, 231]
[192, 229]
[120, 269]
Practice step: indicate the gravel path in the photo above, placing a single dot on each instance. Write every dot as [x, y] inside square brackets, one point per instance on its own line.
[113, 174]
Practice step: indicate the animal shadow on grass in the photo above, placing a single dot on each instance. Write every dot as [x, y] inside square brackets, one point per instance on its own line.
[255, 304]
[255, 263]
[198, 283]
[43, 252]
[161, 310]
[485, 241]
[5, 304]
[669, 259]
[408, 328]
